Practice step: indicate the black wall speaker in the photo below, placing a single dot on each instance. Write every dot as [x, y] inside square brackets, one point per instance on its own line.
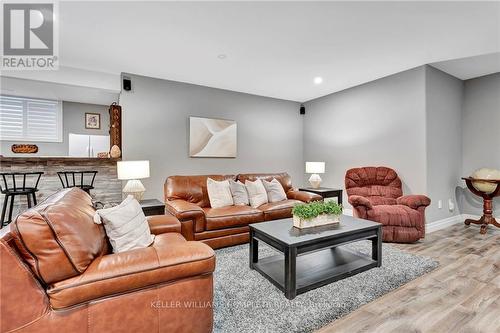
[127, 84]
[302, 109]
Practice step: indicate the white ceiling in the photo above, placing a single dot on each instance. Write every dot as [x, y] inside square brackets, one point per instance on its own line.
[273, 48]
[56, 91]
[471, 67]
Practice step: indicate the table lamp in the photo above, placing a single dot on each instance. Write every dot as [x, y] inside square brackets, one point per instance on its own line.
[133, 171]
[314, 168]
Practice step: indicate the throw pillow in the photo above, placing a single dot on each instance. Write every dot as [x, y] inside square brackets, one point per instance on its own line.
[239, 193]
[257, 194]
[125, 225]
[275, 191]
[219, 193]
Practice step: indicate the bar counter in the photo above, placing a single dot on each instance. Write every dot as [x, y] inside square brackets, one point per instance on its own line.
[107, 187]
[56, 158]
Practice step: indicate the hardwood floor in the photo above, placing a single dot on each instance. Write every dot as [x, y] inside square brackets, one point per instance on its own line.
[461, 295]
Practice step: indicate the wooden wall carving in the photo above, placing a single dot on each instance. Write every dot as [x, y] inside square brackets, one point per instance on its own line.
[115, 128]
[24, 149]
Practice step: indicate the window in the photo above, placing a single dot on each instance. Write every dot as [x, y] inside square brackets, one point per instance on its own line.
[30, 119]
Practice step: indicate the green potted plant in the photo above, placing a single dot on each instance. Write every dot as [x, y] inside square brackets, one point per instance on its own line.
[316, 213]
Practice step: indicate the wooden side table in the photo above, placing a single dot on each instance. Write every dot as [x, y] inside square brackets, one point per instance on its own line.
[325, 192]
[152, 207]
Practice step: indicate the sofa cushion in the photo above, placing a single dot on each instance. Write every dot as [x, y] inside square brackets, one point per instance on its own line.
[373, 182]
[395, 215]
[232, 216]
[278, 210]
[169, 258]
[126, 225]
[219, 193]
[283, 177]
[239, 193]
[192, 189]
[274, 190]
[58, 238]
[257, 194]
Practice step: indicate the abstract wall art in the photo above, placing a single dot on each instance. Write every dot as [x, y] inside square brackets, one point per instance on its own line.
[212, 137]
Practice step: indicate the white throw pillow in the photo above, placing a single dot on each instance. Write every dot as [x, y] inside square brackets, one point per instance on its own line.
[219, 193]
[126, 225]
[256, 193]
[239, 193]
[275, 191]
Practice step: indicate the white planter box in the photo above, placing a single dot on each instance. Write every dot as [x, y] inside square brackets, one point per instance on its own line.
[322, 219]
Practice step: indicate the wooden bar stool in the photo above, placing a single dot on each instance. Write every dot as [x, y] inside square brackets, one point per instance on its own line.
[10, 186]
[81, 179]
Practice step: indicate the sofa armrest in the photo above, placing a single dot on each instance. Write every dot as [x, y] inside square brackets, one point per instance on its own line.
[357, 200]
[414, 201]
[170, 258]
[186, 211]
[183, 210]
[303, 196]
[23, 298]
[160, 224]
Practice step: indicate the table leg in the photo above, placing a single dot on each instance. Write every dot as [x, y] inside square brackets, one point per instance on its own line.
[290, 272]
[377, 247]
[254, 249]
[4, 209]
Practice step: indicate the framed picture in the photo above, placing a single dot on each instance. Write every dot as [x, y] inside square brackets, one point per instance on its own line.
[212, 137]
[92, 120]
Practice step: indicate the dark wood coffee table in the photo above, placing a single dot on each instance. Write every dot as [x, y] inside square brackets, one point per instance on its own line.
[311, 258]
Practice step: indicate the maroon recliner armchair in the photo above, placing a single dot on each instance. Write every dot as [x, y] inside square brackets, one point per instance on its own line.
[375, 194]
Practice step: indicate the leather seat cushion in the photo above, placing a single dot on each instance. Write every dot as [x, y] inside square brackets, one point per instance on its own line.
[231, 216]
[395, 215]
[169, 258]
[278, 210]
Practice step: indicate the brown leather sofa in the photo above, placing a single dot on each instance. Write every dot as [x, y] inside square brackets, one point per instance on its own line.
[58, 275]
[186, 198]
[375, 194]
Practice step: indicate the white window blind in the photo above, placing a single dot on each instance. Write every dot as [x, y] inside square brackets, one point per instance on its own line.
[29, 119]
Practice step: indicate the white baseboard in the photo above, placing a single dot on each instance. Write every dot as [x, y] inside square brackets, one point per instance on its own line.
[439, 224]
[471, 216]
[444, 223]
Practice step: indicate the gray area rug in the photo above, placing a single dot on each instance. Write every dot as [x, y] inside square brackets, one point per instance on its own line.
[245, 301]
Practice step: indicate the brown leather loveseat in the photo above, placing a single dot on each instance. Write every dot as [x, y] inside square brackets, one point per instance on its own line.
[186, 198]
[58, 275]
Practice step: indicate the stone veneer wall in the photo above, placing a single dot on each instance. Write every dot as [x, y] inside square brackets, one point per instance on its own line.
[107, 186]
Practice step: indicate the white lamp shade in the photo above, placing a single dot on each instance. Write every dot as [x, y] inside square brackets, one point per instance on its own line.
[315, 167]
[132, 169]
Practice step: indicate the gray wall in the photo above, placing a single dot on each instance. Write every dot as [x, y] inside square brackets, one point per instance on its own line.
[378, 123]
[155, 127]
[73, 122]
[481, 134]
[444, 99]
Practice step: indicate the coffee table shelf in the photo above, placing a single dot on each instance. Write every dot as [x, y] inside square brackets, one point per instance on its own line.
[313, 257]
[315, 269]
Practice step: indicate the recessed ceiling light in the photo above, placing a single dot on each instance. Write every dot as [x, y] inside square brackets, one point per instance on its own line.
[318, 80]
[222, 56]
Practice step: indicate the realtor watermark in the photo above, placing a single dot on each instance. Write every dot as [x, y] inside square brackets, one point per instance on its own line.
[253, 304]
[30, 36]
[162, 304]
